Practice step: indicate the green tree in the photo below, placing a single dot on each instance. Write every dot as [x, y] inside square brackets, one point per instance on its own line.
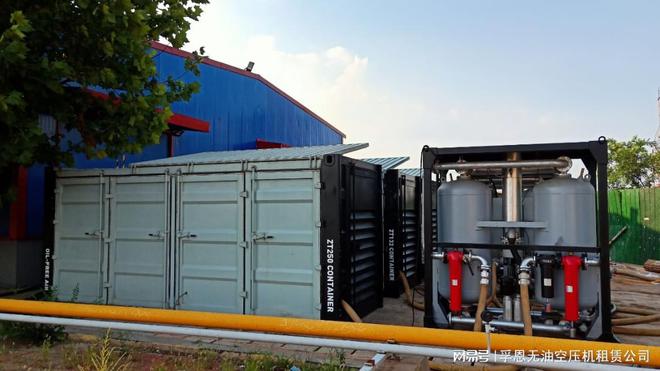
[54, 52]
[633, 164]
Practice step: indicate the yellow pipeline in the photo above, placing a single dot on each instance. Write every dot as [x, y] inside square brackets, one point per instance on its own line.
[342, 330]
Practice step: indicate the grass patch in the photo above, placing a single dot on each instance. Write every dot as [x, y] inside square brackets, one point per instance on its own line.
[34, 333]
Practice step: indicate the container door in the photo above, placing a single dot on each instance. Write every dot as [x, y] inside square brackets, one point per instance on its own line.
[210, 243]
[80, 228]
[138, 247]
[362, 215]
[284, 256]
[410, 249]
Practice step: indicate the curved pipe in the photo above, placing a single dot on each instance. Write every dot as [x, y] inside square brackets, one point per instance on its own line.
[308, 327]
[484, 263]
[468, 258]
[527, 263]
[315, 341]
[409, 294]
[519, 164]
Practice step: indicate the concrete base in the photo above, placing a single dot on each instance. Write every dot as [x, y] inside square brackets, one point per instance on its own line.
[21, 264]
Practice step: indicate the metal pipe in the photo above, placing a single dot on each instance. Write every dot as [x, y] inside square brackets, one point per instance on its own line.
[484, 266]
[484, 263]
[312, 341]
[508, 308]
[496, 310]
[438, 255]
[527, 263]
[309, 327]
[512, 196]
[592, 262]
[526, 164]
[517, 309]
[511, 325]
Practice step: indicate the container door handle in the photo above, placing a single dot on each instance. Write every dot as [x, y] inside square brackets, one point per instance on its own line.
[95, 233]
[186, 235]
[261, 236]
[158, 235]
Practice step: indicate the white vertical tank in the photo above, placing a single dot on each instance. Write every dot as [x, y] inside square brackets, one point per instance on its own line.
[568, 207]
[461, 204]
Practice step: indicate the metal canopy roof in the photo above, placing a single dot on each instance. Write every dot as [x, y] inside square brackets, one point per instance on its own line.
[272, 154]
[387, 162]
[411, 171]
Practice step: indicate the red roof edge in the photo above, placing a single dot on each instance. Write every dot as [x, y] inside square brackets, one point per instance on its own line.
[264, 144]
[188, 122]
[178, 119]
[208, 61]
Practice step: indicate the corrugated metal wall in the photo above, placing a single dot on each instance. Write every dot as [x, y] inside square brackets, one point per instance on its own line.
[239, 110]
[639, 209]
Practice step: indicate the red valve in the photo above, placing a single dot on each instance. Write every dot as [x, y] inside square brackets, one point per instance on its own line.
[455, 260]
[572, 265]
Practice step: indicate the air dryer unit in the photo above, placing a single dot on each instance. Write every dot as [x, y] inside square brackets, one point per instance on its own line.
[522, 240]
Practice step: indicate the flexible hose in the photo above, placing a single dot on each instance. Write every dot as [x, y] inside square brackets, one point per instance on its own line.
[351, 312]
[493, 297]
[639, 331]
[634, 310]
[636, 320]
[631, 273]
[483, 296]
[408, 292]
[526, 313]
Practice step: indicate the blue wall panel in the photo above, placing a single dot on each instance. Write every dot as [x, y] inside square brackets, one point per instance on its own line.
[240, 110]
[35, 201]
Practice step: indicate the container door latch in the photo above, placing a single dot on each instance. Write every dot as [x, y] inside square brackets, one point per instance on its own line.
[261, 236]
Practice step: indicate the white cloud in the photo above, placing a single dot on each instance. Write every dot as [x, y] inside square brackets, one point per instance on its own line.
[334, 82]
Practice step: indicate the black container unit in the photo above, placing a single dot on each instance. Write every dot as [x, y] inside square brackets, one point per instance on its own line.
[351, 215]
[402, 215]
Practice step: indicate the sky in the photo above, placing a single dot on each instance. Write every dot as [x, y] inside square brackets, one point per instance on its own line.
[403, 74]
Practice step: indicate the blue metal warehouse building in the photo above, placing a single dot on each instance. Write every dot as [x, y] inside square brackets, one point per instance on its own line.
[235, 109]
